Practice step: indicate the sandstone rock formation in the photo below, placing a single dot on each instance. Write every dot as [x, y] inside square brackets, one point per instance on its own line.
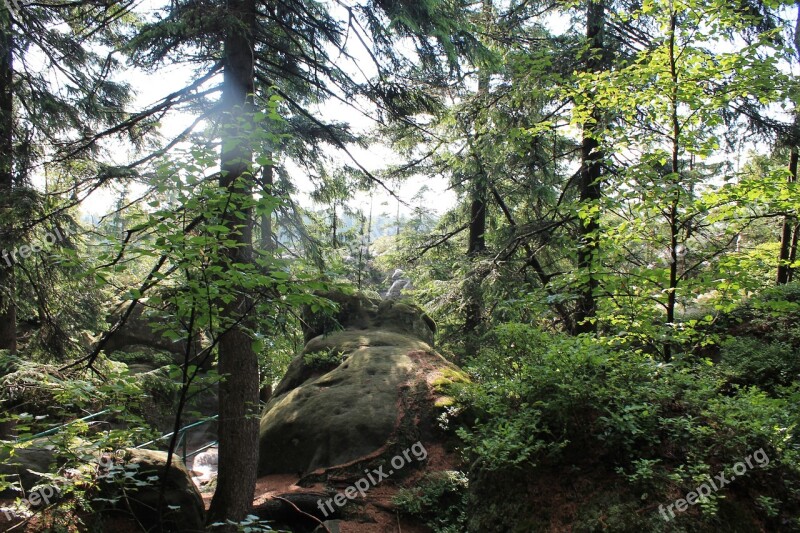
[22, 468]
[363, 387]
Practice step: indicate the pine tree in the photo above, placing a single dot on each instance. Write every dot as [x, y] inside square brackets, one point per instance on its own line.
[57, 100]
[8, 315]
[589, 178]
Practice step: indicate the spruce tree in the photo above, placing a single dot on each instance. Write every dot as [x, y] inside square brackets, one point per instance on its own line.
[58, 100]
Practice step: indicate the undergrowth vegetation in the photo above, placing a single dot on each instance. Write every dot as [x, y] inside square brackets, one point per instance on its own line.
[439, 500]
[549, 414]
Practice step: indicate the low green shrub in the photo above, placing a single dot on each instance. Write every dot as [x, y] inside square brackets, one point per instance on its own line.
[439, 500]
[323, 360]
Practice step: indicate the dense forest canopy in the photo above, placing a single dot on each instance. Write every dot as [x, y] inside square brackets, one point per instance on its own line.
[594, 202]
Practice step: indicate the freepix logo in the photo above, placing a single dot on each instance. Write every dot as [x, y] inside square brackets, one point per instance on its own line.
[720, 480]
[9, 257]
[363, 485]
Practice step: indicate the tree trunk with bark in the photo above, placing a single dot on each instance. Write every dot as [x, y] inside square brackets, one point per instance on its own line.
[238, 363]
[675, 181]
[475, 248]
[476, 243]
[589, 181]
[8, 314]
[267, 231]
[788, 234]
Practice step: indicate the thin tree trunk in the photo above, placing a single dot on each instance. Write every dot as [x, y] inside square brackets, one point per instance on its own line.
[477, 225]
[238, 364]
[675, 182]
[590, 174]
[8, 313]
[369, 223]
[788, 251]
[785, 258]
[361, 244]
[476, 248]
[793, 252]
[268, 243]
[334, 227]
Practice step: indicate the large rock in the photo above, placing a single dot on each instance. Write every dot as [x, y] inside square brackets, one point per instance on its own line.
[359, 313]
[129, 487]
[134, 484]
[22, 467]
[355, 393]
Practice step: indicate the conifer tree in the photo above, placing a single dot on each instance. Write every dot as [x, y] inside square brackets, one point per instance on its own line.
[58, 100]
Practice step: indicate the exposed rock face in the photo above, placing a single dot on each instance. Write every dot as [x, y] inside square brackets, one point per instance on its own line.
[184, 510]
[355, 393]
[129, 488]
[204, 466]
[23, 466]
[399, 284]
[359, 313]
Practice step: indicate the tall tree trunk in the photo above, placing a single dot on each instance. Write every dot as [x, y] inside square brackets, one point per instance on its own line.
[238, 363]
[476, 243]
[793, 251]
[477, 212]
[475, 248]
[589, 181]
[8, 313]
[675, 181]
[787, 251]
[362, 243]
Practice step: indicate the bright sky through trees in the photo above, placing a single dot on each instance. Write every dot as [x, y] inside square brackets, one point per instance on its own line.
[152, 87]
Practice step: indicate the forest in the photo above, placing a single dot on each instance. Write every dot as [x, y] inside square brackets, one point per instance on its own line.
[399, 266]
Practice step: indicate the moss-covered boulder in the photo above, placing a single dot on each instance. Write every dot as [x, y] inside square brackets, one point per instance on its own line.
[354, 393]
[132, 486]
[126, 489]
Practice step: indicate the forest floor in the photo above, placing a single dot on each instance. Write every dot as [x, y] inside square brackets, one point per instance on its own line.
[375, 513]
